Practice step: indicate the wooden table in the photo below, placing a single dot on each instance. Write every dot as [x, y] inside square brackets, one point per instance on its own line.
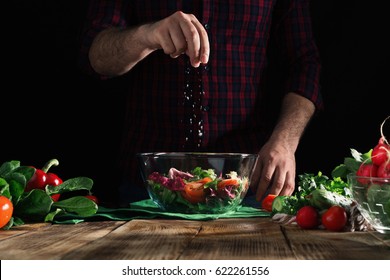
[161, 239]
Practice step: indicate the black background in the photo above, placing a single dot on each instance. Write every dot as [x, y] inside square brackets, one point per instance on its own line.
[49, 109]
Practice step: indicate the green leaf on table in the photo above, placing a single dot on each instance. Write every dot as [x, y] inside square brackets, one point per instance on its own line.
[17, 221]
[74, 184]
[50, 217]
[79, 205]
[33, 206]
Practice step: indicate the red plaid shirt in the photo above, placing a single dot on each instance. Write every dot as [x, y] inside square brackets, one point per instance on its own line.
[220, 106]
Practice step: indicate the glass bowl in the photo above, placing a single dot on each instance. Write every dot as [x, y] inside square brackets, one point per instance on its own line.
[372, 195]
[207, 183]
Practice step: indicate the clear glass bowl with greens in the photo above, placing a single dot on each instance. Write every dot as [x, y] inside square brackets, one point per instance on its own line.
[207, 183]
[372, 195]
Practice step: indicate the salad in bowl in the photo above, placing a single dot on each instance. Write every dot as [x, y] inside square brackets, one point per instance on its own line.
[197, 182]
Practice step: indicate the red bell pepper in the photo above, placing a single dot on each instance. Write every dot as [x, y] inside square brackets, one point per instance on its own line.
[42, 177]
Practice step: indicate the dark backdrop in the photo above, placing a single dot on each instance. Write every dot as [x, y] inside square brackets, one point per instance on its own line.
[50, 109]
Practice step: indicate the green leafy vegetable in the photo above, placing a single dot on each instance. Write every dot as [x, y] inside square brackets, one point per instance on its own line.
[316, 190]
[37, 205]
[33, 206]
[74, 184]
[78, 205]
[351, 164]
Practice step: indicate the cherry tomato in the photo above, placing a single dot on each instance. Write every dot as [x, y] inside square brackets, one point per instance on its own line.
[266, 204]
[335, 218]
[93, 198]
[307, 217]
[194, 191]
[6, 210]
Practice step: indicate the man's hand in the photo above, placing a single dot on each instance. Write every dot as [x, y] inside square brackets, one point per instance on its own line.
[116, 51]
[275, 170]
[181, 33]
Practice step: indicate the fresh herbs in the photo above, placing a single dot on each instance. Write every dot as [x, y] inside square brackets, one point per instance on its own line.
[316, 190]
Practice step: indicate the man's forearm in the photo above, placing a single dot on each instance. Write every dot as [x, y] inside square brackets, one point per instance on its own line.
[296, 113]
[115, 51]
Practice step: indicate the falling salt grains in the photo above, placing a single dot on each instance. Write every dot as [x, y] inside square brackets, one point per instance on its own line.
[193, 93]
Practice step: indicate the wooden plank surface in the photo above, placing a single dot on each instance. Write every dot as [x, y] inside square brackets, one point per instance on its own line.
[326, 245]
[239, 239]
[20, 230]
[160, 239]
[141, 239]
[52, 242]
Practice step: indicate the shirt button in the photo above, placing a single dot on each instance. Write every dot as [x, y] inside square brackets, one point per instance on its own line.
[206, 26]
[206, 108]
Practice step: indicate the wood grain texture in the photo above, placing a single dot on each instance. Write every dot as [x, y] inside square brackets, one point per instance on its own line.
[52, 242]
[239, 239]
[326, 245]
[141, 239]
[168, 239]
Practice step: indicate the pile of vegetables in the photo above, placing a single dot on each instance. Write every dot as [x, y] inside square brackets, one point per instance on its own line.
[319, 200]
[29, 194]
[197, 191]
[322, 201]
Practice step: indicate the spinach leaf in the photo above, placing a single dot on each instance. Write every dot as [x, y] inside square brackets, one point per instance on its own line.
[79, 205]
[33, 206]
[74, 184]
[4, 188]
[8, 167]
[17, 183]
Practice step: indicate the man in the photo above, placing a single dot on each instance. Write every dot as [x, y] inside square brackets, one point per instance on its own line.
[197, 72]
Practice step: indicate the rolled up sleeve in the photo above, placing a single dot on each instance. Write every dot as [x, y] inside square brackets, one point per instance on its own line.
[298, 47]
[101, 14]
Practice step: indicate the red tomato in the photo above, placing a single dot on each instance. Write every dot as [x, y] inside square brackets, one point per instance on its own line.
[6, 210]
[335, 218]
[93, 198]
[194, 191]
[205, 180]
[307, 217]
[227, 182]
[266, 204]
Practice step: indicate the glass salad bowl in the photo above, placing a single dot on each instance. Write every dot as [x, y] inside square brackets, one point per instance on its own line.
[207, 183]
[372, 195]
